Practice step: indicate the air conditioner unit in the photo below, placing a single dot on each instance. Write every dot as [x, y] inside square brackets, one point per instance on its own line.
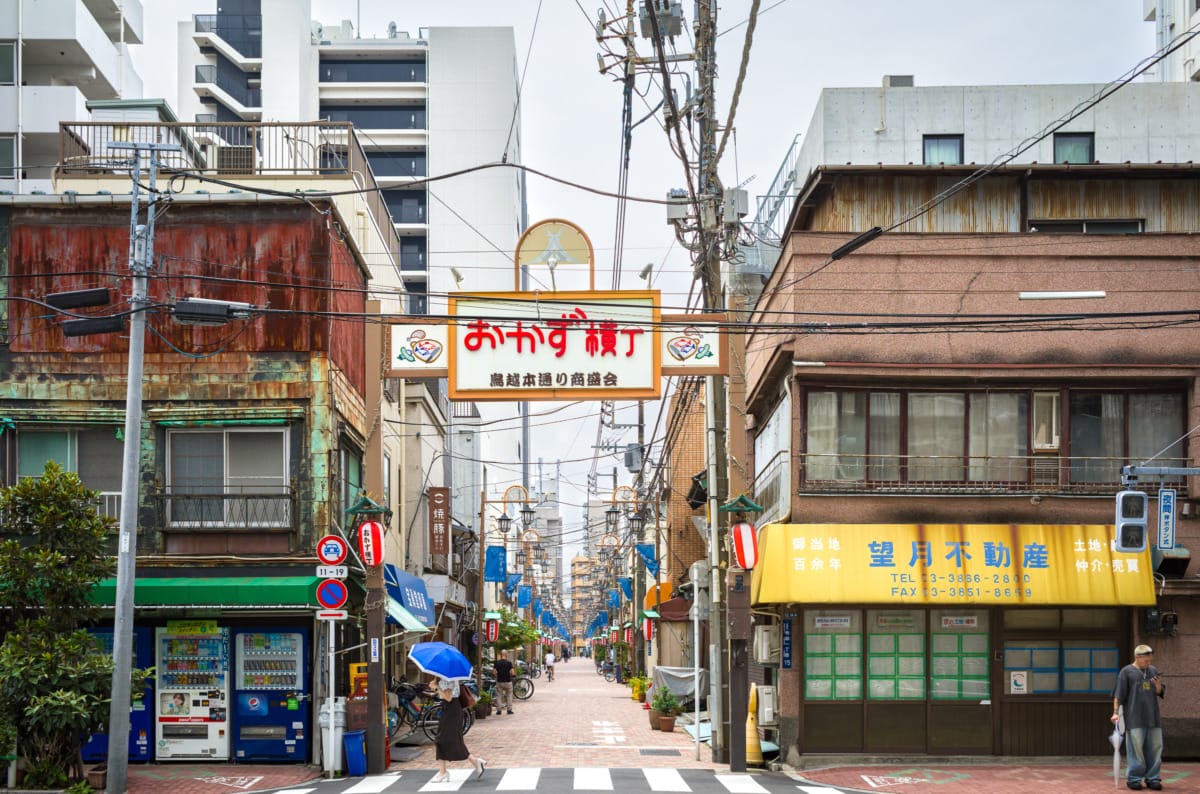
[236, 159]
[766, 705]
[766, 644]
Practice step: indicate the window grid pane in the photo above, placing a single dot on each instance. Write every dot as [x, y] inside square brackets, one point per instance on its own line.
[833, 666]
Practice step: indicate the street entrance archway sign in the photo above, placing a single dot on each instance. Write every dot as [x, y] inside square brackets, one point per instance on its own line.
[332, 593]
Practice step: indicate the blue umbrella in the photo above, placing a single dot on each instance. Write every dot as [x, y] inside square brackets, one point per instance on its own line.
[440, 659]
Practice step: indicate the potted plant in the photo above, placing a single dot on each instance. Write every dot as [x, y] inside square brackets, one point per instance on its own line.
[483, 706]
[638, 685]
[666, 705]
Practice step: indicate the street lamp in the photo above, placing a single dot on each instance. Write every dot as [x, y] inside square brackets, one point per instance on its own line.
[504, 524]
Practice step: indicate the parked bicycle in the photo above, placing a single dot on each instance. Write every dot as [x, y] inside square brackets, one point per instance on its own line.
[608, 670]
[417, 708]
[522, 686]
[531, 669]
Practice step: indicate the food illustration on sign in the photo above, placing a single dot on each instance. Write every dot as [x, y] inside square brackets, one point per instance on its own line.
[688, 345]
[420, 348]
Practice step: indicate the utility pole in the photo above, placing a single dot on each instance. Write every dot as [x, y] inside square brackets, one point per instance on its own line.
[141, 258]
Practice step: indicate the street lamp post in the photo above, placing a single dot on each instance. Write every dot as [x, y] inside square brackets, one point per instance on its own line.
[503, 523]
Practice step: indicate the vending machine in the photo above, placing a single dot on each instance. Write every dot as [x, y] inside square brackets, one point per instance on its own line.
[192, 702]
[140, 709]
[271, 695]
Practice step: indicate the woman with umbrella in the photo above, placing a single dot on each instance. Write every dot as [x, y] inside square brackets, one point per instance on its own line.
[450, 666]
[450, 744]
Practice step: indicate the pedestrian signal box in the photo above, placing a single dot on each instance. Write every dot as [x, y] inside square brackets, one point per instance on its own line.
[1131, 521]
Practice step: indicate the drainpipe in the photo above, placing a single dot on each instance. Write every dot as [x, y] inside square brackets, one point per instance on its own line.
[20, 158]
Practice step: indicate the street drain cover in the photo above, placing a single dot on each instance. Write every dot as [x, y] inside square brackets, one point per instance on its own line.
[655, 751]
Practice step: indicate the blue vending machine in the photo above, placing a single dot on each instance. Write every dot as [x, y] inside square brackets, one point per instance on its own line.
[141, 717]
[271, 696]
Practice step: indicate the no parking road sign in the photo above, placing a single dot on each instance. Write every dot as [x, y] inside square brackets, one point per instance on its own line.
[332, 593]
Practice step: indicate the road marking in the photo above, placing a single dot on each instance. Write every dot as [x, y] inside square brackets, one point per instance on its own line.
[296, 791]
[593, 778]
[740, 784]
[819, 790]
[457, 778]
[608, 732]
[519, 780]
[372, 785]
[665, 780]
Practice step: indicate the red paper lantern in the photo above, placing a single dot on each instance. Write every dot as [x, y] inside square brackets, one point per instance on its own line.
[745, 544]
[629, 636]
[648, 629]
[370, 543]
[493, 630]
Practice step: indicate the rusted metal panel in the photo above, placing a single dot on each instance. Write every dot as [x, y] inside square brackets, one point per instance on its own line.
[858, 202]
[1165, 205]
[276, 256]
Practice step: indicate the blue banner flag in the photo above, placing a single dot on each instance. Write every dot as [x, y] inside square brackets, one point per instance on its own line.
[537, 606]
[614, 599]
[524, 595]
[511, 585]
[494, 564]
[626, 584]
[646, 552]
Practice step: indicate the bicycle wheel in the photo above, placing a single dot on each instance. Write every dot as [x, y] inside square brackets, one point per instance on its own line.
[430, 716]
[535, 672]
[610, 676]
[468, 720]
[522, 688]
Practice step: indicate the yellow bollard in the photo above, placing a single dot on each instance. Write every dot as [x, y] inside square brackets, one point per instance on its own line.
[754, 756]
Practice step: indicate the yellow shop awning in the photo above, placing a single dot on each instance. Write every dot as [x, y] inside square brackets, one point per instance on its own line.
[1002, 564]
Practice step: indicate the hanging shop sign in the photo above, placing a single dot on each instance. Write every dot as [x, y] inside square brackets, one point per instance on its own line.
[418, 349]
[493, 630]
[439, 520]
[936, 564]
[693, 344]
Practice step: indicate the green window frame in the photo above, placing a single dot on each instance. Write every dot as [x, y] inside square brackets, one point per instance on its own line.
[833, 666]
[960, 666]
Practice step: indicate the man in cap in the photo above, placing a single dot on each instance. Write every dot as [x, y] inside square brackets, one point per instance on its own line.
[1139, 687]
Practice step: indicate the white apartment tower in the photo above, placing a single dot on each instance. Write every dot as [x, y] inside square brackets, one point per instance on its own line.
[1172, 18]
[55, 57]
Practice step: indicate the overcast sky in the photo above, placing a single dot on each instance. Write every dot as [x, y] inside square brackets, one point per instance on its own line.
[570, 114]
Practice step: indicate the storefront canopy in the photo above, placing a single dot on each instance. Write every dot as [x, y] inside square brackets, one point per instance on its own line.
[934, 564]
[231, 592]
[410, 591]
[399, 616]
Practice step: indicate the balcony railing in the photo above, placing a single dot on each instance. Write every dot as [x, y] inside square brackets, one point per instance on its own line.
[975, 474]
[232, 149]
[228, 511]
[248, 97]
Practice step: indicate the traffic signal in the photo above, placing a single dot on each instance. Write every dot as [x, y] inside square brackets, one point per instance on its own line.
[1131, 521]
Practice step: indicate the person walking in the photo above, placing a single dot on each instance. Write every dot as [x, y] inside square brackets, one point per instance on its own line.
[549, 665]
[450, 744]
[504, 683]
[1137, 692]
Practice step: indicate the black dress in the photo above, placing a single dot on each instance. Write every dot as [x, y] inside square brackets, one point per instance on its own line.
[450, 745]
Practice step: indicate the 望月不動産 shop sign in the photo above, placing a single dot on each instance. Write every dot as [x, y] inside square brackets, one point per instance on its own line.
[936, 564]
[562, 345]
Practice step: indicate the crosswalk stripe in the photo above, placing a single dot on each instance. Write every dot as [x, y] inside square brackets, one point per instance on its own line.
[372, 785]
[665, 780]
[525, 779]
[740, 784]
[457, 778]
[593, 778]
[819, 790]
[297, 790]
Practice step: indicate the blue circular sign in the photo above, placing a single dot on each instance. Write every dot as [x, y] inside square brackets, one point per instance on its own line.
[332, 593]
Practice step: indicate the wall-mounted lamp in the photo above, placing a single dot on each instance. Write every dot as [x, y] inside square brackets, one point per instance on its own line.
[458, 277]
[646, 272]
[552, 262]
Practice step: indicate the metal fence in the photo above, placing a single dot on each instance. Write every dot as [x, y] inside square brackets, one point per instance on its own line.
[230, 511]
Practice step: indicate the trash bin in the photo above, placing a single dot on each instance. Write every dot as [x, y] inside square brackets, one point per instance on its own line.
[356, 753]
[339, 726]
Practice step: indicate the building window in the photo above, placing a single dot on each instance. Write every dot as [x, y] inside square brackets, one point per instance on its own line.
[1037, 664]
[405, 206]
[8, 156]
[1108, 430]
[412, 253]
[833, 655]
[95, 454]
[1088, 227]
[984, 439]
[213, 477]
[896, 654]
[959, 655]
[8, 63]
[943, 150]
[352, 479]
[372, 71]
[1074, 147]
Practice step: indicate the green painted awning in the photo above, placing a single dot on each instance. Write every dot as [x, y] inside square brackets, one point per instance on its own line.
[293, 592]
[396, 613]
[650, 613]
[492, 616]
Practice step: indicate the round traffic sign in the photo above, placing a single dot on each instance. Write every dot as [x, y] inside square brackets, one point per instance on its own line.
[332, 593]
[332, 550]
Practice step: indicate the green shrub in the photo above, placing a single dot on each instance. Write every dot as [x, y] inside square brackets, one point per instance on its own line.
[664, 701]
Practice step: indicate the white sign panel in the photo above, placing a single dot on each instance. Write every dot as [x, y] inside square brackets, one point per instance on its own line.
[333, 571]
[1166, 518]
[331, 614]
[555, 346]
[418, 350]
